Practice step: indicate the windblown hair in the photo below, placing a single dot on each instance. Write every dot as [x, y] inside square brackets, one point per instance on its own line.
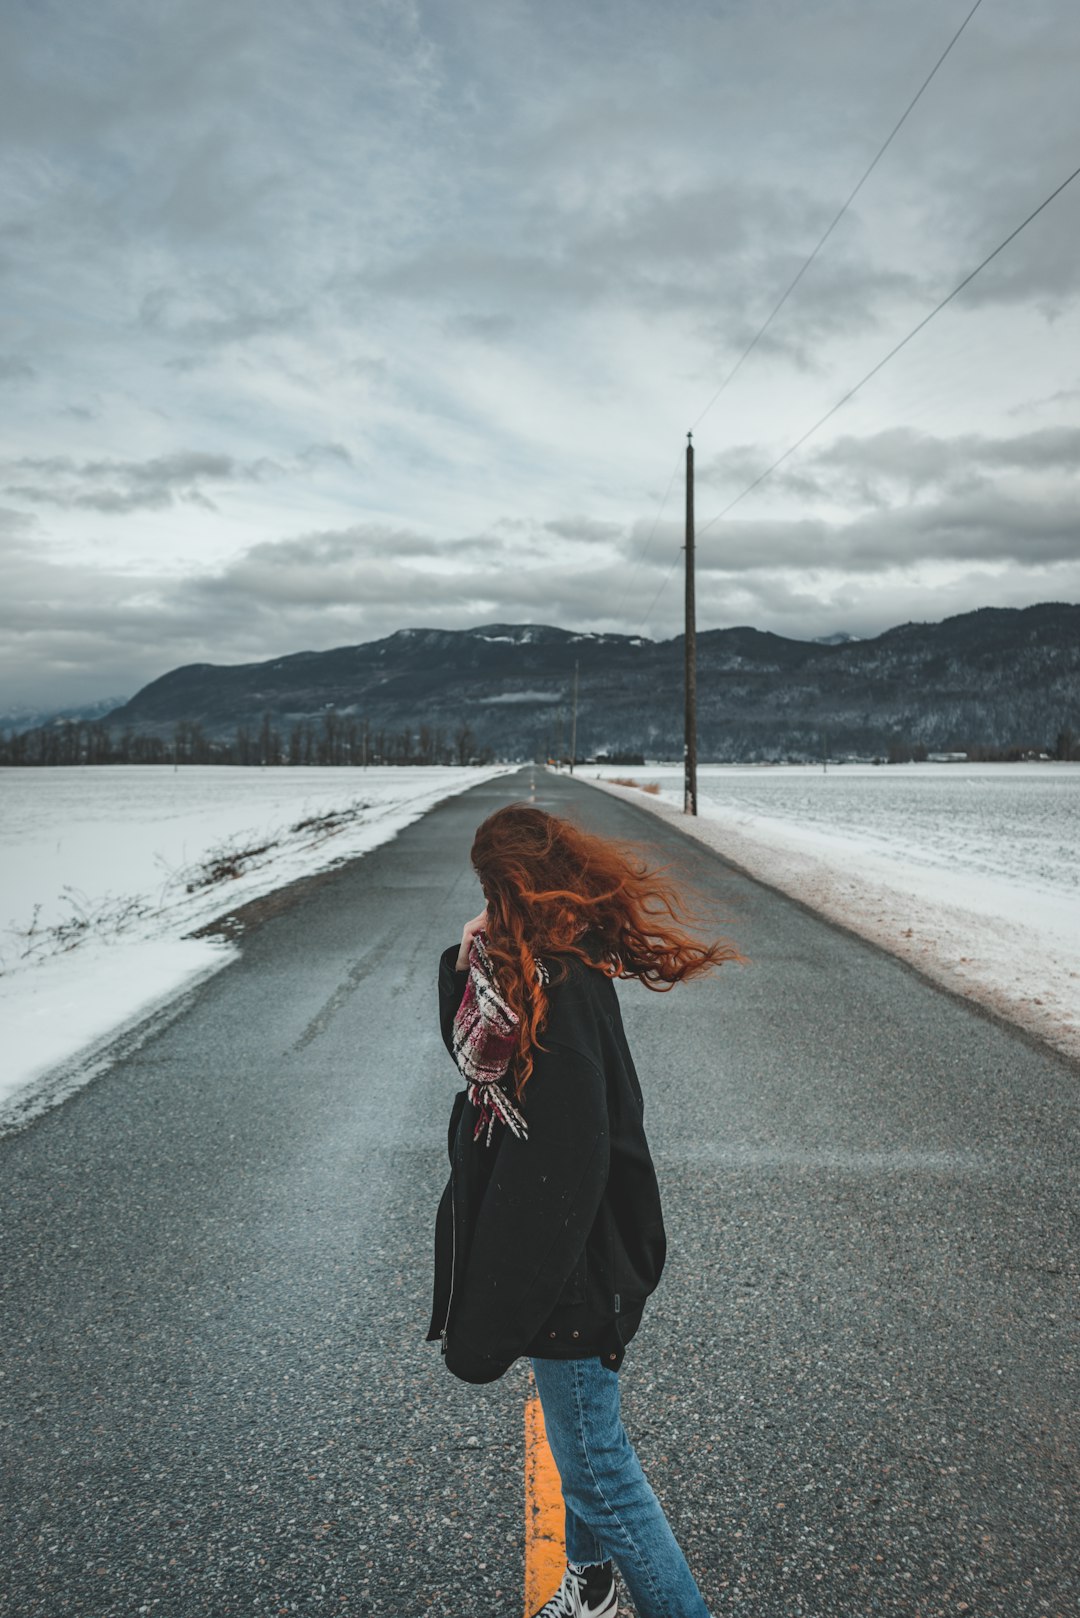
[554, 889]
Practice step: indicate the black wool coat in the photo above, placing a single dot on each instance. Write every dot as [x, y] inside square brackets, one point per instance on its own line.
[549, 1246]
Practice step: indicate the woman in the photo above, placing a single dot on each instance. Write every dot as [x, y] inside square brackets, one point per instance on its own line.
[549, 1237]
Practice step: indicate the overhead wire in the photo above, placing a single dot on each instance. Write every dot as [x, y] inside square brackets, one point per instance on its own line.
[785, 295]
[882, 149]
[874, 370]
[627, 587]
[922, 324]
[660, 590]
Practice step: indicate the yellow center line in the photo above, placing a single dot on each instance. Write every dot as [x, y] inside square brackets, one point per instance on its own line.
[545, 1548]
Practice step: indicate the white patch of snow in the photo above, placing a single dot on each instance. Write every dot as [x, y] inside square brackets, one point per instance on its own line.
[71, 1005]
[968, 871]
[522, 696]
[104, 871]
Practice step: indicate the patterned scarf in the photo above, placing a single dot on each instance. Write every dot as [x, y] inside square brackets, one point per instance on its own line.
[485, 1035]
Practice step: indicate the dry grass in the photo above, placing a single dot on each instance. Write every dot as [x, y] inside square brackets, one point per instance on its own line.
[86, 918]
[628, 781]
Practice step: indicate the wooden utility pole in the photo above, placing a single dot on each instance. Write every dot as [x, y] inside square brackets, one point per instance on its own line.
[573, 724]
[690, 725]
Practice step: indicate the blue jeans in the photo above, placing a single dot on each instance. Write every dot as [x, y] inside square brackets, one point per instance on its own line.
[611, 1510]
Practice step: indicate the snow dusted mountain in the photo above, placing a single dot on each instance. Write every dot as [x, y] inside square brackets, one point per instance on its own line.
[994, 678]
[27, 718]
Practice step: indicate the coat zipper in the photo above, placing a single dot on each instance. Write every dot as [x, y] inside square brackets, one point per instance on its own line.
[453, 1266]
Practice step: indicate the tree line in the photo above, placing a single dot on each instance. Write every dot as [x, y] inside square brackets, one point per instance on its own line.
[1066, 747]
[333, 739]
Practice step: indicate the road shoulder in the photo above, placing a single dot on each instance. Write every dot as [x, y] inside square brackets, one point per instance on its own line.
[958, 952]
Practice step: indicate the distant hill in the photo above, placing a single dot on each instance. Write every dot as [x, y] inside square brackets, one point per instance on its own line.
[994, 678]
[26, 718]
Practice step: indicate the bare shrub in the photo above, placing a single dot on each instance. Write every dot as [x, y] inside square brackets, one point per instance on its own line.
[332, 819]
[230, 859]
[85, 918]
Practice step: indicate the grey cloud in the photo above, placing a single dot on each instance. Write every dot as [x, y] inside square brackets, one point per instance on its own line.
[985, 527]
[367, 563]
[281, 225]
[82, 632]
[367, 601]
[979, 522]
[586, 529]
[871, 468]
[379, 563]
[205, 199]
[153, 484]
[15, 524]
[111, 501]
[903, 451]
[486, 328]
[803, 610]
[119, 486]
[710, 251]
[314, 453]
[335, 547]
[900, 463]
[370, 367]
[215, 312]
[1062, 396]
[15, 369]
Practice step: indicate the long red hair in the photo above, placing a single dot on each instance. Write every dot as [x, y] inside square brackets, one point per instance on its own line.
[547, 883]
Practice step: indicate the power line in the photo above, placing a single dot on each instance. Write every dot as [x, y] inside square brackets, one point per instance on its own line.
[748, 350]
[850, 394]
[925, 321]
[645, 549]
[660, 591]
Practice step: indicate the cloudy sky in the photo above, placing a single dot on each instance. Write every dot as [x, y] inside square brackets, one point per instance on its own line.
[328, 318]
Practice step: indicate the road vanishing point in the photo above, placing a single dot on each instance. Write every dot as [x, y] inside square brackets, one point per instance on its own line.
[854, 1390]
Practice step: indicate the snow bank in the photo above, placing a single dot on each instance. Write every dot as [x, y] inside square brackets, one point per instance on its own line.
[103, 873]
[970, 872]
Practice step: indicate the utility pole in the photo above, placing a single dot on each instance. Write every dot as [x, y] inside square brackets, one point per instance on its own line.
[573, 725]
[690, 724]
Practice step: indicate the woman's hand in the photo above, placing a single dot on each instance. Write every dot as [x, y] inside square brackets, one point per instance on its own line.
[477, 925]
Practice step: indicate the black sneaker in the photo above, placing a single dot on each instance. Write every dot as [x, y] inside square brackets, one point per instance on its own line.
[585, 1592]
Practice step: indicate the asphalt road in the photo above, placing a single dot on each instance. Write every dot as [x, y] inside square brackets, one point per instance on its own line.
[854, 1391]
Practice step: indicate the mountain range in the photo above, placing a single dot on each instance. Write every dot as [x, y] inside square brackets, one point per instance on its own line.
[991, 679]
[26, 717]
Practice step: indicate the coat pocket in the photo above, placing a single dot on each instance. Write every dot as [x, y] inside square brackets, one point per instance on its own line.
[637, 1272]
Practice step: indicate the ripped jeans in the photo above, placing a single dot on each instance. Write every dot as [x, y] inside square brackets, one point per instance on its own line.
[611, 1510]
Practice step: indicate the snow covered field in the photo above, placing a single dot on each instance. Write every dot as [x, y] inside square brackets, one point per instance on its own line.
[969, 871]
[104, 871]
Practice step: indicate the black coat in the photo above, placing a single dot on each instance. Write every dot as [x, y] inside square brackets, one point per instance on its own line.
[549, 1246]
